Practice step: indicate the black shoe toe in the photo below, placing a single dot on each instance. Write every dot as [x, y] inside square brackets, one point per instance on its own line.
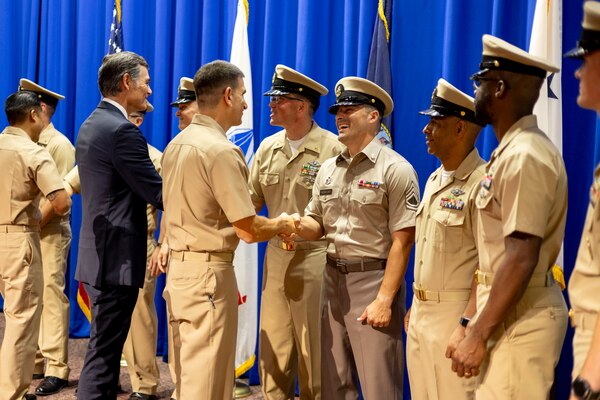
[50, 385]
[142, 396]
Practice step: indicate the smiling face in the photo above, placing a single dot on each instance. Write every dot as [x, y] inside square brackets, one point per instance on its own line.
[284, 109]
[589, 76]
[139, 90]
[185, 113]
[356, 126]
[440, 136]
[238, 102]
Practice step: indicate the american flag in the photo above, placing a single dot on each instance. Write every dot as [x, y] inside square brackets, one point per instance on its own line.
[115, 41]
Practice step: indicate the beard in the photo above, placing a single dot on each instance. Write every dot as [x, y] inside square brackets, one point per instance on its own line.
[482, 112]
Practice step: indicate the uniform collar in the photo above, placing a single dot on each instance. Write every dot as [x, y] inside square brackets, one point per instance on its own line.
[527, 122]
[464, 170]
[46, 134]
[13, 130]
[205, 120]
[371, 152]
[311, 142]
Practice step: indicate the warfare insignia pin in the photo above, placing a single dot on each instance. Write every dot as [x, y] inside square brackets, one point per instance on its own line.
[457, 192]
[328, 180]
[486, 183]
[309, 171]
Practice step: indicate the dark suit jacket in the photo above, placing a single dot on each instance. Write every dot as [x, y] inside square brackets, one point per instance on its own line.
[117, 181]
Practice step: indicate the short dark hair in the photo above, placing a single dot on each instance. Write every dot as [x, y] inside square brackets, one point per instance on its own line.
[18, 106]
[114, 66]
[211, 80]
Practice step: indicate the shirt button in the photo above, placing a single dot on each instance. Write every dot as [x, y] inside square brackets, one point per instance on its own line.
[424, 239]
[287, 179]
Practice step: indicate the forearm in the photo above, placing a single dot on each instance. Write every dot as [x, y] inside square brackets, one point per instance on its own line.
[396, 266]
[471, 307]
[259, 229]
[511, 280]
[47, 213]
[310, 229]
[591, 367]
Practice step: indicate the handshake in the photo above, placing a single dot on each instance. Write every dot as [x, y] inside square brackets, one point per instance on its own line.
[291, 226]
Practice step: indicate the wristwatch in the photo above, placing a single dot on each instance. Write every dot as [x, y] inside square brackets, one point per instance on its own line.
[581, 389]
[464, 321]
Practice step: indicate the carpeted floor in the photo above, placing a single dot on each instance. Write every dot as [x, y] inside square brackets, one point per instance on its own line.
[77, 348]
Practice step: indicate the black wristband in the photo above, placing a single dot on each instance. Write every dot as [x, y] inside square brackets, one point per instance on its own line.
[464, 321]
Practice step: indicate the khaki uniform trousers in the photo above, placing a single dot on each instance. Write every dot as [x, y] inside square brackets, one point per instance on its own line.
[429, 371]
[584, 332]
[21, 285]
[54, 327]
[203, 307]
[140, 345]
[290, 339]
[524, 350]
[349, 347]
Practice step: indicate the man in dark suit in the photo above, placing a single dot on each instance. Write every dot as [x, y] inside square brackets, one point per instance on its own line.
[117, 181]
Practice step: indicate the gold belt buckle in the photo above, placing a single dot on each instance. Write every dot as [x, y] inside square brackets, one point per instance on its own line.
[420, 293]
[572, 317]
[287, 246]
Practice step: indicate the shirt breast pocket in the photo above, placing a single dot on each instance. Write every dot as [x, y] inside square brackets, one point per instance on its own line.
[449, 234]
[367, 208]
[330, 201]
[269, 183]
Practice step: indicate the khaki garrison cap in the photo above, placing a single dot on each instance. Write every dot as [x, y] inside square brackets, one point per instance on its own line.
[185, 92]
[352, 90]
[447, 100]
[590, 34]
[45, 95]
[503, 56]
[287, 80]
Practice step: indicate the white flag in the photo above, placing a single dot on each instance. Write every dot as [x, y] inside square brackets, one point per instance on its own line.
[246, 256]
[546, 42]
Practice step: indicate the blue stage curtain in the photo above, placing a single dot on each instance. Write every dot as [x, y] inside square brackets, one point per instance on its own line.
[60, 44]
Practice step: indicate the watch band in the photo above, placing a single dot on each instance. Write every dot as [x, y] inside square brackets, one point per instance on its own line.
[464, 321]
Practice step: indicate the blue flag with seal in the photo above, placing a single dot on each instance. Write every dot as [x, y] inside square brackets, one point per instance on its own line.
[379, 70]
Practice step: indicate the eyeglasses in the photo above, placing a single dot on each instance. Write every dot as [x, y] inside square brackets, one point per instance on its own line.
[478, 79]
[281, 99]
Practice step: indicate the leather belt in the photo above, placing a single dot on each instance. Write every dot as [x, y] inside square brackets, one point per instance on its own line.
[537, 280]
[19, 228]
[201, 256]
[362, 265]
[441, 296]
[302, 245]
[583, 320]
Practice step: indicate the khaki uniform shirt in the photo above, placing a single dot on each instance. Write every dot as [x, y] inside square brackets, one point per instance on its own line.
[584, 284]
[446, 253]
[72, 178]
[205, 188]
[361, 201]
[524, 190]
[61, 151]
[151, 211]
[26, 169]
[284, 182]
